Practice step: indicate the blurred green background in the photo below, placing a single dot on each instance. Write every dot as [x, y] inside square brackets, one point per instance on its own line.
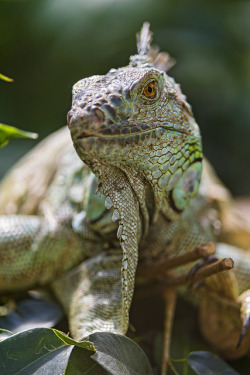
[48, 45]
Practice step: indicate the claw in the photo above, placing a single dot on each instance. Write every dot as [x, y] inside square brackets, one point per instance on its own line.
[245, 315]
[243, 330]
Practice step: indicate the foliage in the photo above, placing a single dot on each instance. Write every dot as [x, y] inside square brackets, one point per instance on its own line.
[45, 351]
[5, 78]
[205, 363]
[9, 132]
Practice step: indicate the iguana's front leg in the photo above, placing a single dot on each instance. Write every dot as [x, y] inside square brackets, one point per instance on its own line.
[34, 250]
[223, 312]
[55, 235]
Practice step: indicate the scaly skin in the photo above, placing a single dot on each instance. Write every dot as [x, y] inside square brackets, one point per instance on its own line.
[135, 131]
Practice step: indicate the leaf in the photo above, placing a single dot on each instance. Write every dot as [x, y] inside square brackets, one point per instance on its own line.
[32, 314]
[7, 79]
[44, 351]
[9, 132]
[81, 363]
[205, 363]
[38, 351]
[69, 341]
[115, 355]
[4, 334]
[119, 355]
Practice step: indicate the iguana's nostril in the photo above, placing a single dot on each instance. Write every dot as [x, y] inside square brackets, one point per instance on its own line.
[99, 114]
[82, 118]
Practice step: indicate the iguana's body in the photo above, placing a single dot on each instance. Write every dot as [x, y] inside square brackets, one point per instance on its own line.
[146, 155]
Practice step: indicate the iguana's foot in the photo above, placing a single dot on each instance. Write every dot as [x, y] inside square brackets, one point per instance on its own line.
[224, 317]
[204, 262]
[224, 320]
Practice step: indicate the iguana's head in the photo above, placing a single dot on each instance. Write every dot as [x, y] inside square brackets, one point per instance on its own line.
[136, 119]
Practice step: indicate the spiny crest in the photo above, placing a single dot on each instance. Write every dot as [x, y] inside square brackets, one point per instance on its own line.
[149, 56]
[144, 39]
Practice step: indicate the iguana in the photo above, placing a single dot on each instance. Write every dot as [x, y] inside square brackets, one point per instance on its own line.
[139, 198]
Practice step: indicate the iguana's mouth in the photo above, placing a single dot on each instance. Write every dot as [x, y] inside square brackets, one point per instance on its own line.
[151, 131]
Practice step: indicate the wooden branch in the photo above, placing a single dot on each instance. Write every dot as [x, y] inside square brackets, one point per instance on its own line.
[220, 265]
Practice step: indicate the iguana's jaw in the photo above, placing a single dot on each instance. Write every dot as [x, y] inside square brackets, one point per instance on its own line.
[130, 134]
[160, 157]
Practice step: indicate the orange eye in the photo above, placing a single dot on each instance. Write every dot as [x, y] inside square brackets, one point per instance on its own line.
[150, 90]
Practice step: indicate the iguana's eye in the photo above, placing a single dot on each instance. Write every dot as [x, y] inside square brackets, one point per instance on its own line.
[150, 90]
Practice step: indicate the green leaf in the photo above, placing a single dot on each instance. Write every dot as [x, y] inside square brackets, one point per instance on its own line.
[115, 355]
[81, 363]
[205, 363]
[32, 314]
[69, 341]
[7, 79]
[4, 334]
[44, 351]
[9, 132]
[119, 355]
[38, 351]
